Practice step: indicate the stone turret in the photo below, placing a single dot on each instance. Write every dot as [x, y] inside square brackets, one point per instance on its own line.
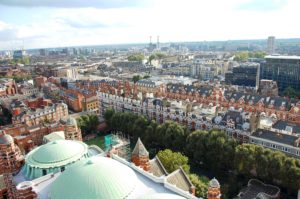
[72, 132]
[140, 156]
[214, 189]
[11, 159]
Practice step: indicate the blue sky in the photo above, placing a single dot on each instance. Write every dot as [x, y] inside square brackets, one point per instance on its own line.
[51, 23]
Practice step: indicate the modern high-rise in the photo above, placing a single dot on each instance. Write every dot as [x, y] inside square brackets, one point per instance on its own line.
[271, 45]
[244, 75]
[285, 70]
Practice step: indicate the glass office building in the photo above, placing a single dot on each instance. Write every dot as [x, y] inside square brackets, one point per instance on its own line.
[285, 70]
[244, 75]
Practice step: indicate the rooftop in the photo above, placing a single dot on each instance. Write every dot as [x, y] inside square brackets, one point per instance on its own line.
[276, 137]
[257, 189]
[282, 57]
[101, 177]
[287, 126]
[56, 153]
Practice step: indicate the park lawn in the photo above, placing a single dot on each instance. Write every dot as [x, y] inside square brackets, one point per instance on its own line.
[98, 141]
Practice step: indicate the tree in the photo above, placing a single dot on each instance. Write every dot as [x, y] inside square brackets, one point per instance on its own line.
[152, 57]
[108, 115]
[88, 123]
[213, 149]
[136, 78]
[270, 166]
[173, 160]
[172, 135]
[201, 185]
[291, 92]
[136, 57]
[139, 126]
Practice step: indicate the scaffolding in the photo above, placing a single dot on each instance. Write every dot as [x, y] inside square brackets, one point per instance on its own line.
[120, 142]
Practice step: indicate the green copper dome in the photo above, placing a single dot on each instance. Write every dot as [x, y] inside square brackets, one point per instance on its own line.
[57, 152]
[95, 177]
[53, 157]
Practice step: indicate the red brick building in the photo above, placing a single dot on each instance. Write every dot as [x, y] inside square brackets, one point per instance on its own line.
[11, 159]
[7, 87]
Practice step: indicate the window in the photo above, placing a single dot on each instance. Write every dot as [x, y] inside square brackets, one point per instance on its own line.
[44, 172]
[62, 169]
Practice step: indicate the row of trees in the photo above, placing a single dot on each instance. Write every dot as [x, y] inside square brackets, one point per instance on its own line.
[212, 150]
[291, 93]
[136, 57]
[244, 55]
[25, 60]
[157, 55]
[136, 78]
[88, 123]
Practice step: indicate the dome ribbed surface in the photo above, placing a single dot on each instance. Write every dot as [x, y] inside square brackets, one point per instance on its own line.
[162, 196]
[56, 153]
[95, 177]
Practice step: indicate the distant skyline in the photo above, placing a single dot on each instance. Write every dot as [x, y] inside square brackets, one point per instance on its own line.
[58, 23]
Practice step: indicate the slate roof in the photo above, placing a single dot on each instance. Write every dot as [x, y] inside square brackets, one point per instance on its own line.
[276, 137]
[189, 88]
[180, 180]
[281, 125]
[157, 168]
[234, 115]
[276, 101]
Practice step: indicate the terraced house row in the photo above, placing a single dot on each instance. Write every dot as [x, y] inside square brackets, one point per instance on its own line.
[246, 127]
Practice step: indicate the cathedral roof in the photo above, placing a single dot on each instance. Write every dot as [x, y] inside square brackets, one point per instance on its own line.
[56, 153]
[96, 177]
[139, 149]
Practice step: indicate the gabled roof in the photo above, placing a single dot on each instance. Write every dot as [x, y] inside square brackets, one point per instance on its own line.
[139, 149]
[180, 179]
[157, 167]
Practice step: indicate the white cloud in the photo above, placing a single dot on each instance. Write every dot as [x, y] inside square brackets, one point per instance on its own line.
[173, 20]
[73, 3]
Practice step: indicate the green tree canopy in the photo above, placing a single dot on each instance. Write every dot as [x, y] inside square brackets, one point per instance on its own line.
[201, 185]
[136, 57]
[136, 78]
[291, 92]
[244, 55]
[88, 123]
[173, 160]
